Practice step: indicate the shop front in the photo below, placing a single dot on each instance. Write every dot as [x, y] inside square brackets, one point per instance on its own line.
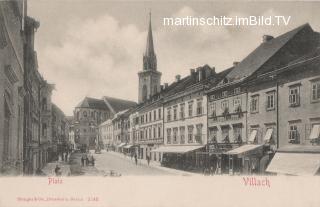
[180, 157]
[119, 147]
[296, 160]
[248, 159]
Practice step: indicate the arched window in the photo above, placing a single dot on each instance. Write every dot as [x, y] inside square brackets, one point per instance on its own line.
[144, 92]
[85, 114]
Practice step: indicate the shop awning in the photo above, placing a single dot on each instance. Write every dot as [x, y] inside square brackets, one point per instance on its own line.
[245, 149]
[268, 135]
[177, 149]
[315, 132]
[128, 146]
[121, 144]
[253, 136]
[295, 163]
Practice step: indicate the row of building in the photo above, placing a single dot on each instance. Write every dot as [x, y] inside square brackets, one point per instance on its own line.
[260, 115]
[32, 128]
[233, 121]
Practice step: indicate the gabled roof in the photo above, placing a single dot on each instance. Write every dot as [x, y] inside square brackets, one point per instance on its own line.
[93, 103]
[117, 105]
[267, 50]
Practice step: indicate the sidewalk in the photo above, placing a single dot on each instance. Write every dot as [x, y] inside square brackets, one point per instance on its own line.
[154, 164]
[49, 168]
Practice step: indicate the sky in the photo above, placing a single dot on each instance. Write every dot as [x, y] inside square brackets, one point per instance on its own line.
[94, 48]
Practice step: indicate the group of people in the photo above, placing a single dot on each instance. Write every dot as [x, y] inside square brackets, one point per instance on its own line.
[85, 159]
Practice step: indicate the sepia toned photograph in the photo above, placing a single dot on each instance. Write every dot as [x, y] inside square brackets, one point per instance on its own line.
[163, 92]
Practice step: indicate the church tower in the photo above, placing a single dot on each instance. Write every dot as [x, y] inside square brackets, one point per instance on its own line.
[149, 77]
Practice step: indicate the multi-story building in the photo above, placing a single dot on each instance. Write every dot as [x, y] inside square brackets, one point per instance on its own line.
[297, 95]
[91, 112]
[60, 133]
[150, 134]
[120, 130]
[185, 118]
[106, 134]
[45, 122]
[33, 84]
[12, 17]
[252, 91]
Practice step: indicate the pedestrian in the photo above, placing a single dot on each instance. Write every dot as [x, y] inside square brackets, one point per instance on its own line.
[148, 159]
[87, 159]
[57, 170]
[82, 160]
[136, 158]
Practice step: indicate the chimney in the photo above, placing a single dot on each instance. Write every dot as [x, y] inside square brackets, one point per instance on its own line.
[178, 78]
[166, 85]
[161, 87]
[235, 63]
[192, 71]
[266, 38]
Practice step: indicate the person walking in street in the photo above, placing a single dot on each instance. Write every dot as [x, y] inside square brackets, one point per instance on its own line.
[82, 160]
[148, 159]
[87, 159]
[136, 159]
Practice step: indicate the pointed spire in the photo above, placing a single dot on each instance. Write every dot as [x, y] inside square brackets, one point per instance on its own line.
[149, 57]
[149, 49]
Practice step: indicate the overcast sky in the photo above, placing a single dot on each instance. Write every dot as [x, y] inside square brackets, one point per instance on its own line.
[94, 47]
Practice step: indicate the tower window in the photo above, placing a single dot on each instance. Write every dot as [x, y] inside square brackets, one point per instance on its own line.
[144, 93]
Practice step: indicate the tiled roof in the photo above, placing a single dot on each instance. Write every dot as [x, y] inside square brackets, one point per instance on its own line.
[281, 45]
[118, 104]
[93, 103]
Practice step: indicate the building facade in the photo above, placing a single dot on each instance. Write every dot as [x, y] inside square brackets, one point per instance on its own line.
[90, 113]
[12, 19]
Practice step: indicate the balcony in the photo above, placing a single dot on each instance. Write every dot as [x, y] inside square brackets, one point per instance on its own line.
[228, 117]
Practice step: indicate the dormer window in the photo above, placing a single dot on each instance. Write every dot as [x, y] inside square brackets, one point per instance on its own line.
[224, 94]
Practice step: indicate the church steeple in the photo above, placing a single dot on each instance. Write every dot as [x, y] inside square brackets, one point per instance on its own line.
[149, 57]
[149, 77]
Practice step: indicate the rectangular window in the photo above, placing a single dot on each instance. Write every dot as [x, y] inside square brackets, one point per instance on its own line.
[175, 135]
[294, 96]
[225, 107]
[198, 137]
[190, 109]
[254, 104]
[168, 136]
[224, 94]
[237, 134]
[154, 115]
[270, 101]
[225, 134]
[237, 105]
[182, 111]
[169, 114]
[182, 135]
[159, 131]
[212, 135]
[150, 116]
[175, 117]
[190, 134]
[199, 108]
[315, 93]
[159, 113]
[212, 109]
[293, 134]
[236, 90]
